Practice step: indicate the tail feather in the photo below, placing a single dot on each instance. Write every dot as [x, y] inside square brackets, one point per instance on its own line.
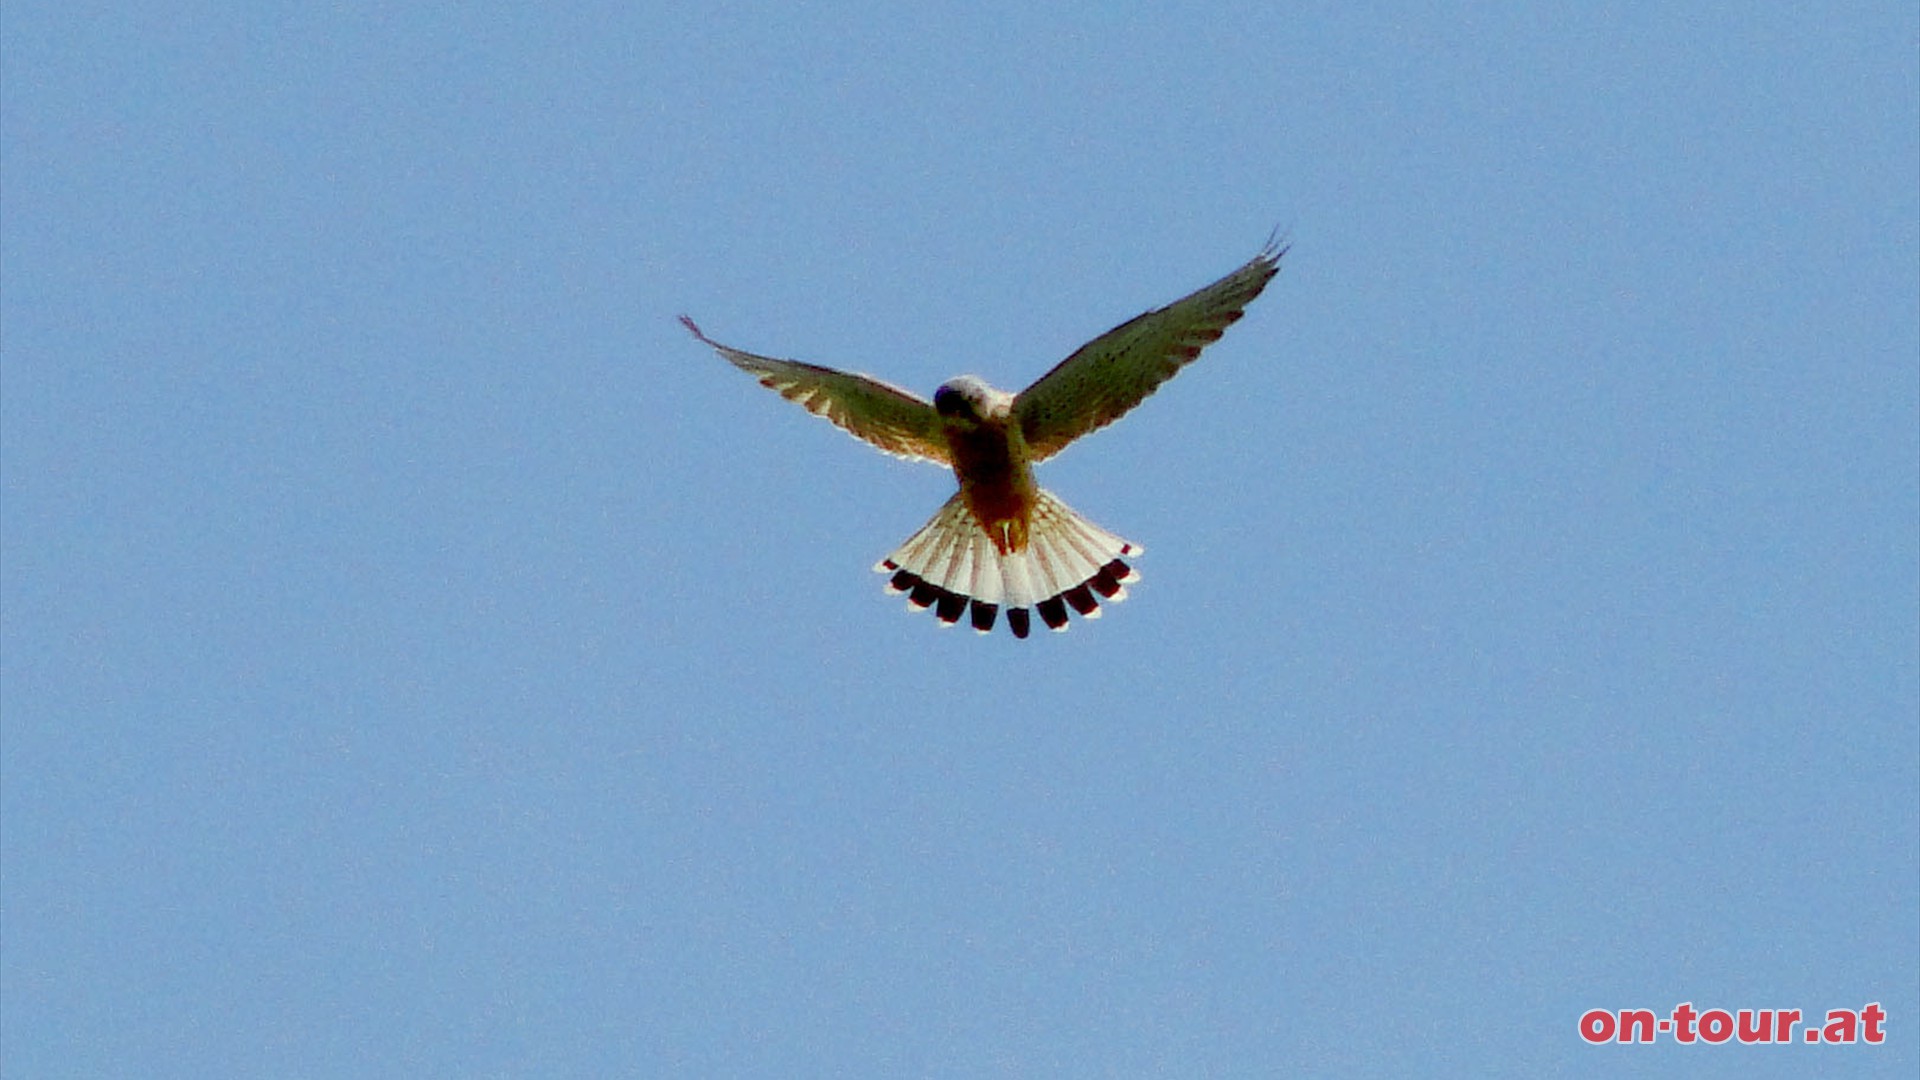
[958, 574]
[988, 583]
[1067, 568]
[1017, 578]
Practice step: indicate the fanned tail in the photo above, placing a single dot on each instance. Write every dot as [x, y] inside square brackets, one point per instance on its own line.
[952, 566]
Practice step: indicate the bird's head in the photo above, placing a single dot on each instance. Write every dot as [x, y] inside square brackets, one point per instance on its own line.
[969, 398]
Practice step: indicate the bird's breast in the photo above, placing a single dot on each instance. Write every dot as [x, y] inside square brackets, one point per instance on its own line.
[994, 473]
[982, 454]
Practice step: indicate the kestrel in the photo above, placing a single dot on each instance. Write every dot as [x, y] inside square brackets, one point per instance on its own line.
[1002, 541]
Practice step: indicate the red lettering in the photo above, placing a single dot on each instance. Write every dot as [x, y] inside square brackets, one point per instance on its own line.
[1683, 1022]
[1756, 1025]
[1837, 1027]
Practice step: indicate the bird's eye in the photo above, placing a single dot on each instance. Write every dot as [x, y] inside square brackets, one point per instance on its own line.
[950, 402]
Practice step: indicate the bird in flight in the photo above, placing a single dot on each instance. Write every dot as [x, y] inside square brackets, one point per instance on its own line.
[1002, 541]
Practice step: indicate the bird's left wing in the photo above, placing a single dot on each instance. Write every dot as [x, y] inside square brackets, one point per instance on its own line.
[895, 420]
[1111, 374]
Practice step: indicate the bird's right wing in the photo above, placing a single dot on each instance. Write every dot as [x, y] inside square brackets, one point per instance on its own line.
[895, 420]
[1111, 374]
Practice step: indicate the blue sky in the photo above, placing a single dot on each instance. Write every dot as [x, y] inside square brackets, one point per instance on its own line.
[422, 659]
